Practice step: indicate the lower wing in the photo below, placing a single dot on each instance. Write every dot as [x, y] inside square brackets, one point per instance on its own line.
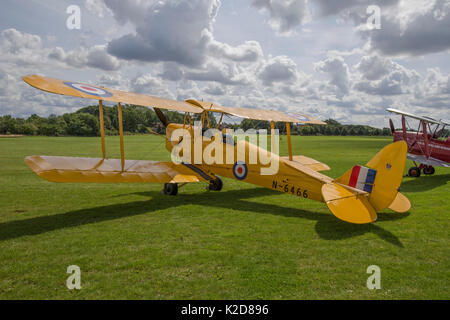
[91, 170]
[308, 162]
[429, 162]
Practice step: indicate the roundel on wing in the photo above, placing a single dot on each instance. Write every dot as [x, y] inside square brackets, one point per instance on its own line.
[93, 91]
[299, 117]
[240, 170]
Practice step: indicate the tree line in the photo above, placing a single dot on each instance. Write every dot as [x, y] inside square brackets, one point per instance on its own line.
[333, 128]
[138, 120]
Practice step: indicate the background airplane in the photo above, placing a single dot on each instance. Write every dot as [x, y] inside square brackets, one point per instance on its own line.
[428, 145]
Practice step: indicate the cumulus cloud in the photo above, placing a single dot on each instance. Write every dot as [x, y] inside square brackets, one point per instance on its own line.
[175, 31]
[408, 27]
[327, 7]
[434, 92]
[16, 42]
[114, 81]
[97, 7]
[215, 90]
[414, 29]
[382, 76]
[172, 71]
[278, 69]
[22, 53]
[165, 30]
[149, 84]
[436, 83]
[96, 57]
[225, 73]
[23, 49]
[285, 15]
[28, 50]
[338, 71]
[250, 51]
[21, 100]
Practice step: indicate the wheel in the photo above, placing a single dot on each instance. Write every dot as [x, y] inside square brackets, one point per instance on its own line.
[429, 170]
[414, 172]
[170, 189]
[215, 185]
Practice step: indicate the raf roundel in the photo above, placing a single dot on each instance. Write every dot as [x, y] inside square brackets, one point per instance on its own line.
[240, 170]
[93, 91]
[299, 117]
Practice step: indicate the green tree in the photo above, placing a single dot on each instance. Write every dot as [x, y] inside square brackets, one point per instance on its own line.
[82, 124]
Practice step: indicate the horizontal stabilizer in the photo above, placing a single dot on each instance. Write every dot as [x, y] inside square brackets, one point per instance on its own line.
[308, 162]
[353, 207]
[90, 170]
[400, 204]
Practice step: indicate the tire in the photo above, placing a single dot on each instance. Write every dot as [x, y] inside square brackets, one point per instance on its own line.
[414, 172]
[170, 189]
[216, 185]
[429, 170]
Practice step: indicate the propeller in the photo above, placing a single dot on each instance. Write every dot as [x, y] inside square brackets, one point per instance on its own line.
[162, 117]
[391, 124]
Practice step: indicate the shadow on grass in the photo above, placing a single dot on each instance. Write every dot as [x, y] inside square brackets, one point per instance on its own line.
[328, 227]
[424, 183]
[337, 230]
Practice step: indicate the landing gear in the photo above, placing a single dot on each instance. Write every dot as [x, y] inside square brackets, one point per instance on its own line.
[414, 172]
[170, 189]
[428, 170]
[215, 185]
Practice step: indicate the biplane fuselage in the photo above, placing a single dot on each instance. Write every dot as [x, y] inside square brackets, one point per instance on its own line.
[435, 148]
[299, 178]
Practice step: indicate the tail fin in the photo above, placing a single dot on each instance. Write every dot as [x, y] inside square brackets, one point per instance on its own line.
[374, 187]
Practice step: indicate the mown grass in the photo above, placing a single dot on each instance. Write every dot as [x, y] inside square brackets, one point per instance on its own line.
[245, 242]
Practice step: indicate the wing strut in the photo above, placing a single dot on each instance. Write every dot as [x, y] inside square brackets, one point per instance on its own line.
[272, 136]
[122, 150]
[102, 127]
[404, 127]
[288, 132]
[425, 139]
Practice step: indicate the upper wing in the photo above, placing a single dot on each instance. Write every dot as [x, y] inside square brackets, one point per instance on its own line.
[410, 115]
[257, 114]
[89, 170]
[87, 91]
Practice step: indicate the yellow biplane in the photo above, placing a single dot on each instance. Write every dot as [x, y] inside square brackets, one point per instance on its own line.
[355, 197]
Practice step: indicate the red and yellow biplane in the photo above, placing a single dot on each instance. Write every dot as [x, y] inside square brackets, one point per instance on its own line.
[355, 197]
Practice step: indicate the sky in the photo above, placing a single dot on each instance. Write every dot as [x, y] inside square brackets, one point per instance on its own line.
[325, 58]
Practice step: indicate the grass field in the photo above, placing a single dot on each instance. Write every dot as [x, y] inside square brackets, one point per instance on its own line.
[245, 242]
